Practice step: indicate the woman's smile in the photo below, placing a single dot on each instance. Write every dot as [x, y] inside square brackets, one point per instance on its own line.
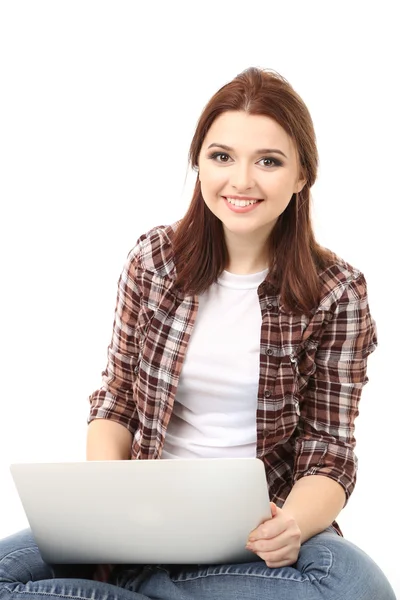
[241, 206]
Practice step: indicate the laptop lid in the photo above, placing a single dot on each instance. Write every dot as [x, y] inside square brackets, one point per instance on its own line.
[144, 512]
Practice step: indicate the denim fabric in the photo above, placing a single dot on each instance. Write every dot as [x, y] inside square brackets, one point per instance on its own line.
[329, 568]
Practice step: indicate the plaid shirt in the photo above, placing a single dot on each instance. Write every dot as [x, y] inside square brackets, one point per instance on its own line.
[312, 368]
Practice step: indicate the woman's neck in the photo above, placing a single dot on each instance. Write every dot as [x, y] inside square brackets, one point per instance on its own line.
[246, 255]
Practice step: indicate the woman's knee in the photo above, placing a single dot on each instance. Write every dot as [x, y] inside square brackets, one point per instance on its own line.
[335, 564]
[20, 559]
[21, 539]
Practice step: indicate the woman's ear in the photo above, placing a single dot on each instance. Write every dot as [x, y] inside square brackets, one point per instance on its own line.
[299, 186]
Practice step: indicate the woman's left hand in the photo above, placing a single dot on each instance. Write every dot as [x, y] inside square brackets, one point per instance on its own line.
[277, 541]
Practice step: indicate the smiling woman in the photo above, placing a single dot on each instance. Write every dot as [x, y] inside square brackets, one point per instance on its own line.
[244, 183]
[254, 140]
[236, 335]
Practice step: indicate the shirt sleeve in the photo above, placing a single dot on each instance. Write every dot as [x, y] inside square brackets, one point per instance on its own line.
[325, 444]
[115, 399]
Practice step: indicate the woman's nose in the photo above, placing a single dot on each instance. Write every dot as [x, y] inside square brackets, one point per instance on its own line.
[242, 177]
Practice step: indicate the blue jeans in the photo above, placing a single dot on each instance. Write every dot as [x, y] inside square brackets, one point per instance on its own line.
[329, 568]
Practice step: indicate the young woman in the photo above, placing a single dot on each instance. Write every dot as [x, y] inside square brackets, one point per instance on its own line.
[236, 334]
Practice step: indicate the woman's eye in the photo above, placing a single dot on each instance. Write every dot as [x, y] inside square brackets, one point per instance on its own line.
[274, 161]
[219, 155]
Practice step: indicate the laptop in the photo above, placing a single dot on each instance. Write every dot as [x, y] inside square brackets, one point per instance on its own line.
[170, 511]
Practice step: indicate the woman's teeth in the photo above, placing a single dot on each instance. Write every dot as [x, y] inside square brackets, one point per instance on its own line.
[241, 202]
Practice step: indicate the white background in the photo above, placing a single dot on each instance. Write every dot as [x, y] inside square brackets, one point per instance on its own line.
[99, 101]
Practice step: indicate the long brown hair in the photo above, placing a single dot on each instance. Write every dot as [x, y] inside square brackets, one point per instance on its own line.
[296, 258]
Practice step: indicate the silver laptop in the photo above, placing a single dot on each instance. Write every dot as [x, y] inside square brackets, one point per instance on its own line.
[197, 511]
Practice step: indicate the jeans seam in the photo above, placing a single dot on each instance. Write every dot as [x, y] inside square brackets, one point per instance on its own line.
[328, 570]
[18, 550]
[193, 578]
[304, 577]
[48, 594]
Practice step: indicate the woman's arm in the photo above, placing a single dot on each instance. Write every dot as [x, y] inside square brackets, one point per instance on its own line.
[311, 506]
[325, 465]
[114, 401]
[108, 440]
[325, 439]
[314, 502]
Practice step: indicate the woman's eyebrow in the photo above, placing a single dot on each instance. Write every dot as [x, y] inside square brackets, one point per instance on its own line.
[261, 151]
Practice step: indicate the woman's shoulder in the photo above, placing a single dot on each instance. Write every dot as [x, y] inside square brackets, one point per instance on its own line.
[340, 278]
[153, 250]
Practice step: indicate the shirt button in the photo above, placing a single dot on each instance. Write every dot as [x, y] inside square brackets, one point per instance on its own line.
[269, 351]
[267, 393]
[136, 370]
[269, 305]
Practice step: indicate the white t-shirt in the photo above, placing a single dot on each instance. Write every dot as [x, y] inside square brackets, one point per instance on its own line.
[215, 406]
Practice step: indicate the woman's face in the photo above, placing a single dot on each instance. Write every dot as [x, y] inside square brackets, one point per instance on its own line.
[248, 156]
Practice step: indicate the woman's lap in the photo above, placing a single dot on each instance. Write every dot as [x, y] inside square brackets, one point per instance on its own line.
[329, 568]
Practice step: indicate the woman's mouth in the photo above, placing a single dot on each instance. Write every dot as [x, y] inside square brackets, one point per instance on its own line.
[241, 206]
